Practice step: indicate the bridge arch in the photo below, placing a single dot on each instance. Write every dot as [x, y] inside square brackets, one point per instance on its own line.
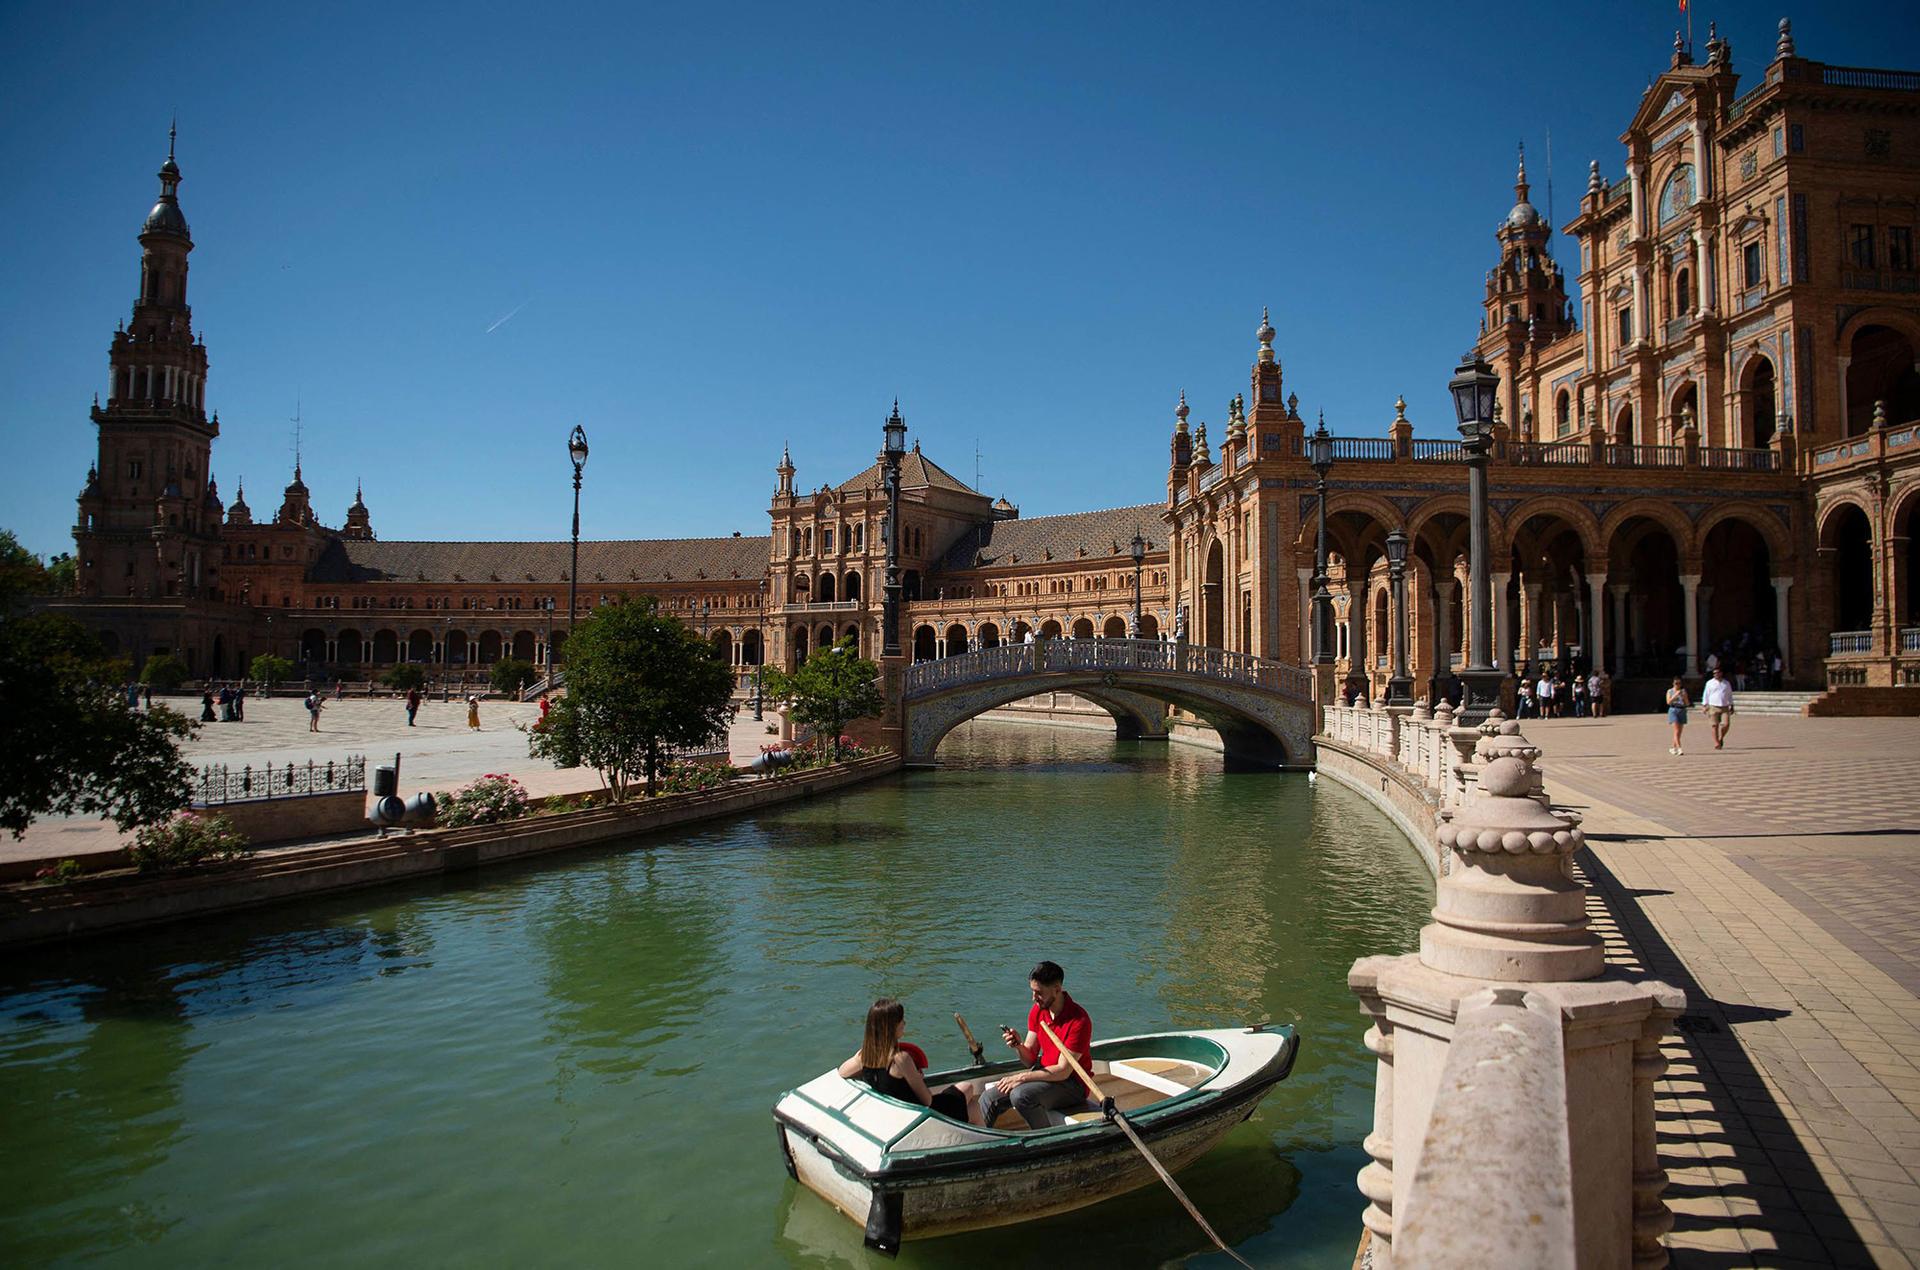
[1261, 709]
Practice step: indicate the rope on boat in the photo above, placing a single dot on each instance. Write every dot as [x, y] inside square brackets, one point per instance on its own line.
[1119, 1117]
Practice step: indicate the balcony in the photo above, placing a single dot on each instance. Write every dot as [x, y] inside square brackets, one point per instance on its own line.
[1739, 459]
[1845, 643]
[1577, 453]
[822, 606]
[1877, 445]
[1646, 456]
[1910, 639]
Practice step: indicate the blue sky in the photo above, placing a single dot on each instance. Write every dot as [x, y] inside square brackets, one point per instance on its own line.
[721, 228]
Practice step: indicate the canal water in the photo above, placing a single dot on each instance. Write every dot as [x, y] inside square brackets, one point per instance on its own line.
[573, 1063]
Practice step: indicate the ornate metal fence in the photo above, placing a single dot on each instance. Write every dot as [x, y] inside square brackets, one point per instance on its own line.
[219, 783]
[1060, 656]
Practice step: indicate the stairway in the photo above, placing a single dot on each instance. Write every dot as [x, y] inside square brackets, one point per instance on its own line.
[1784, 704]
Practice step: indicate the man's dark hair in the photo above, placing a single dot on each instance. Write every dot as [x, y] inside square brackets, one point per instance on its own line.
[1048, 973]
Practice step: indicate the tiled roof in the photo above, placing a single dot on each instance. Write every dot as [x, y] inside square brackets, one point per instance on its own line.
[1104, 534]
[916, 472]
[636, 560]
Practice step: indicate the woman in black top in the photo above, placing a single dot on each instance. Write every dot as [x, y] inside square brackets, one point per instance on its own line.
[888, 1069]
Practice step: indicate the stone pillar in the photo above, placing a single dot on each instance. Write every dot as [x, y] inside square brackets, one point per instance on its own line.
[1306, 615]
[1376, 1179]
[1651, 1217]
[1358, 661]
[1503, 623]
[1531, 632]
[1782, 623]
[1706, 618]
[1690, 584]
[1844, 363]
[1443, 641]
[1597, 615]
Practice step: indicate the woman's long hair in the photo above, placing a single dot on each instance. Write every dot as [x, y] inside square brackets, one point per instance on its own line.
[883, 1031]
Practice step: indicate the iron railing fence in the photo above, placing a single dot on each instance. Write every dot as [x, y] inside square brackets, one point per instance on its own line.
[1060, 656]
[217, 784]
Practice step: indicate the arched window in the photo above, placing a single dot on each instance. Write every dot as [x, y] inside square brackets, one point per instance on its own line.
[1562, 414]
[1676, 196]
[1683, 290]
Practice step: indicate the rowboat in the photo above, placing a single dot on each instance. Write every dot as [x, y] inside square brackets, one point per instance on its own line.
[906, 1172]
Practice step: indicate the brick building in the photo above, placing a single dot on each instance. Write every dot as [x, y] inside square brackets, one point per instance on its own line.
[1712, 441]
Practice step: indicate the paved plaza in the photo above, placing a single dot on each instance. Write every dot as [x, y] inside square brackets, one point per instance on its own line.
[438, 752]
[1778, 883]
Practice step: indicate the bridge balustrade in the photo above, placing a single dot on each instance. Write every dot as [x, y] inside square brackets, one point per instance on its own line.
[1061, 656]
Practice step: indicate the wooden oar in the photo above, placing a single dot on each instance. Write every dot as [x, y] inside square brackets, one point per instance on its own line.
[1119, 1117]
[979, 1055]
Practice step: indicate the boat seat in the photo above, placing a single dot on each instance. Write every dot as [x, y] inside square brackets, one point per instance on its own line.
[1126, 1093]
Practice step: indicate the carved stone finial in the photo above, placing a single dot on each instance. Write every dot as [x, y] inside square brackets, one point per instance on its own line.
[1400, 409]
[1293, 405]
[1880, 414]
[1595, 185]
[1509, 909]
[1784, 46]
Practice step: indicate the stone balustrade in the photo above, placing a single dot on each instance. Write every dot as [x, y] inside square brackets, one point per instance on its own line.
[1513, 1101]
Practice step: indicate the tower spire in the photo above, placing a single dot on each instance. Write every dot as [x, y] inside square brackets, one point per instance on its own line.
[1520, 186]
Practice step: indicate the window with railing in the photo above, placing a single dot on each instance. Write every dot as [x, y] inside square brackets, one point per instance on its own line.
[1860, 246]
[1841, 643]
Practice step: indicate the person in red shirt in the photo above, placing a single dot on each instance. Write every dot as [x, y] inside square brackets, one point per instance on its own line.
[1048, 1081]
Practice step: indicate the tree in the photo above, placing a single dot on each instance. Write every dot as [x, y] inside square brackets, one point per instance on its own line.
[833, 688]
[510, 675]
[638, 684]
[71, 744]
[21, 573]
[63, 573]
[405, 677]
[164, 672]
[269, 669]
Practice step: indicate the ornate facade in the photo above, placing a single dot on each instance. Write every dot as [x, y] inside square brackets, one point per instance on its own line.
[1717, 439]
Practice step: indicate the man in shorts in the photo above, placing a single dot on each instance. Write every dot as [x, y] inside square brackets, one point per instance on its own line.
[1048, 1081]
[1717, 697]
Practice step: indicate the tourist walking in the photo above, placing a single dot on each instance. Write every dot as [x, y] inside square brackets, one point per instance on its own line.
[226, 705]
[240, 702]
[1579, 696]
[1717, 697]
[149, 696]
[206, 705]
[413, 704]
[473, 714]
[1523, 701]
[1677, 713]
[314, 706]
[1596, 699]
[1543, 695]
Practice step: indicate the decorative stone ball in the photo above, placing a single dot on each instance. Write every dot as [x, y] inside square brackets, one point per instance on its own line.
[1505, 777]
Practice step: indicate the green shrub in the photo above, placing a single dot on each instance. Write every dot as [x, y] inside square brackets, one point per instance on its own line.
[487, 801]
[67, 870]
[510, 675]
[185, 840]
[687, 776]
[404, 677]
[164, 672]
[270, 670]
[561, 806]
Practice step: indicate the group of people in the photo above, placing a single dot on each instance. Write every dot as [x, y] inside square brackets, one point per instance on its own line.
[1555, 694]
[1749, 663]
[231, 698]
[891, 1066]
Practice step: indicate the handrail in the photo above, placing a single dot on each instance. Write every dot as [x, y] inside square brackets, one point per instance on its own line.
[1843, 642]
[1152, 656]
[1738, 458]
[1429, 451]
[1375, 449]
[1576, 453]
[1495, 1181]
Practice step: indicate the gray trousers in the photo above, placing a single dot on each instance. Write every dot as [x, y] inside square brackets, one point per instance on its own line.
[1032, 1099]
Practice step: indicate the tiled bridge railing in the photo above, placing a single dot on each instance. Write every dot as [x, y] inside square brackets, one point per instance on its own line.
[1151, 656]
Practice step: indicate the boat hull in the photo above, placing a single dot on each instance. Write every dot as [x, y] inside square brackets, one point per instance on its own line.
[1050, 1172]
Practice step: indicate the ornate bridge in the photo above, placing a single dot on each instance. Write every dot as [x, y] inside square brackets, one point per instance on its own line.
[1262, 709]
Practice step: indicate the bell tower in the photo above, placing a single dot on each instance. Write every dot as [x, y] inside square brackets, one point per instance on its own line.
[145, 527]
[1526, 301]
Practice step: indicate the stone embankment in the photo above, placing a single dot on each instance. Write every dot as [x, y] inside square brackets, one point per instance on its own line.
[34, 913]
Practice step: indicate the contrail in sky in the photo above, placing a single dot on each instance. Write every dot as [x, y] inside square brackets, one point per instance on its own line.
[503, 321]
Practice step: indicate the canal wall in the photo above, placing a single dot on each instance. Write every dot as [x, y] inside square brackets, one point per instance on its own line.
[1409, 806]
[94, 905]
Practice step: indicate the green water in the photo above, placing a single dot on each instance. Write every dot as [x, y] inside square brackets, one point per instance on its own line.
[573, 1063]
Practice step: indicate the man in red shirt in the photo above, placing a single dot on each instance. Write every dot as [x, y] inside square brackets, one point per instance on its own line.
[1048, 1081]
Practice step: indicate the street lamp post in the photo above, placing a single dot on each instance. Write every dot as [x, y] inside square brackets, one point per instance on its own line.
[1320, 456]
[1139, 550]
[549, 608]
[892, 452]
[1474, 386]
[705, 608]
[760, 666]
[446, 658]
[1400, 683]
[577, 451]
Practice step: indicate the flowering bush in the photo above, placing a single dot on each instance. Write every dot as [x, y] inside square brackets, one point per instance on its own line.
[184, 840]
[60, 874]
[687, 776]
[816, 752]
[493, 798]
